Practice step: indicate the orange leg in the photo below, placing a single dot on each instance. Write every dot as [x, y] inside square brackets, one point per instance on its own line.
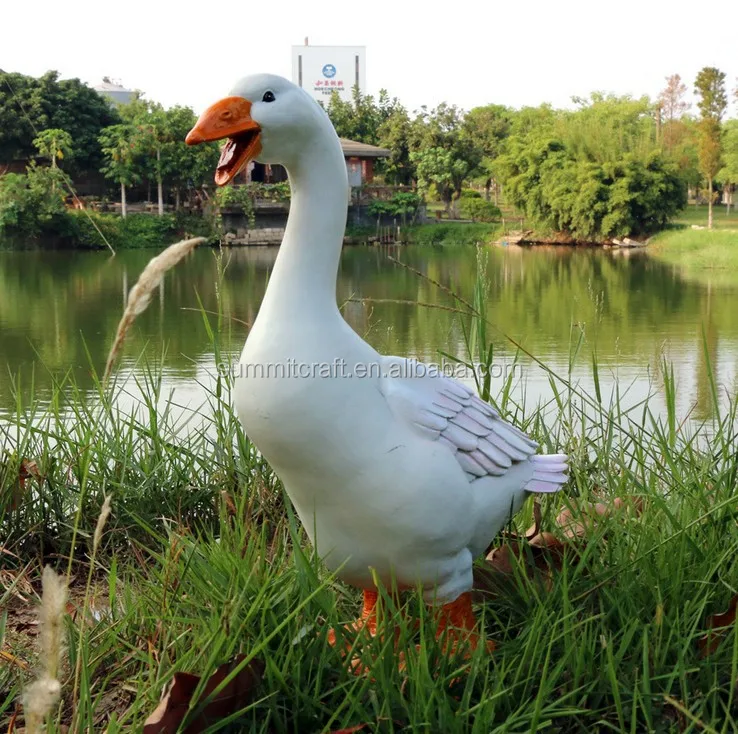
[457, 628]
[367, 619]
[458, 623]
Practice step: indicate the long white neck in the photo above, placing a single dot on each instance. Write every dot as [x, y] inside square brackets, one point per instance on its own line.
[303, 280]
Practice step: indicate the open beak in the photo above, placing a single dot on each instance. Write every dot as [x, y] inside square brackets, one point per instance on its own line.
[230, 118]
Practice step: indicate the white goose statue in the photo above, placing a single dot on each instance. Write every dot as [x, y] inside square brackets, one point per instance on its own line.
[397, 472]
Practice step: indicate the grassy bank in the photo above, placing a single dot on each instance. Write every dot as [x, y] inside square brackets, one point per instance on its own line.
[133, 231]
[446, 233]
[202, 558]
[91, 230]
[452, 233]
[697, 215]
[699, 253]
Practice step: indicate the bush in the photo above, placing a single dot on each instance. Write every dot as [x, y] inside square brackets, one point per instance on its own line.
[133, 231]
[589, 199]
[81, 230]
[32, 203]
[401, 204]
[32, 206]
[479, 210]
[450, 233]
[470, 194]
[147, 230]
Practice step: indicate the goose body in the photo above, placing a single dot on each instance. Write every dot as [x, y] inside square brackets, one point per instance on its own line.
[393, 469]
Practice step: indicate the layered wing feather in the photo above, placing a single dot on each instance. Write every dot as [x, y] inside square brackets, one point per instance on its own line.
[447, 411]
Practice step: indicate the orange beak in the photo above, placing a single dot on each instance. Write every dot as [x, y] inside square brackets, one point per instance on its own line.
[230, 118]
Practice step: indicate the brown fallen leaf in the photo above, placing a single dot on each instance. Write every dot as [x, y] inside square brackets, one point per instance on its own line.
[711, 641]
[541, 553]
[94, 613]
[504, 558]
[28, 469]
[530, 533]
[539, 558]
[13, 659]
[228, 502]
[673, 713]
[17, 583]
[591, 512]
[25, 627]
[177, 698]
[360, 727]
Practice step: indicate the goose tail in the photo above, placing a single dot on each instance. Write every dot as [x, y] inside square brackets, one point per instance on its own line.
[550, 473]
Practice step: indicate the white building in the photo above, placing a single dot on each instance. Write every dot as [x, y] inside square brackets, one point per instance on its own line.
[114, 91]
[322, 70]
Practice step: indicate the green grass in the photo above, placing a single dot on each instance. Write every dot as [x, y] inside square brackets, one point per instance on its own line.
[82, 230]
[709, 256]
[452, 233]
[698, 215]
[699, 253]
[133, 231]
[185, 577]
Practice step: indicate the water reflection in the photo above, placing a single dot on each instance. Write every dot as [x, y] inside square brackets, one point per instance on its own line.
[59, 311]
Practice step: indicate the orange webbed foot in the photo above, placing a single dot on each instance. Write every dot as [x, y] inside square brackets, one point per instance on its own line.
[365, 624]
[457, 627]
[367, 619]
[457, 631]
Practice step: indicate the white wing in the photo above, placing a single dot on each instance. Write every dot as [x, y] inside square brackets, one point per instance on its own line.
[447, 411]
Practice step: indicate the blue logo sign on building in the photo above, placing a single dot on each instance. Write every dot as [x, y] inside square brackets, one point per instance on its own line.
[329, 71]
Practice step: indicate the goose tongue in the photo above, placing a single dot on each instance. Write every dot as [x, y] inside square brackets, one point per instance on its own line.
[228, 153]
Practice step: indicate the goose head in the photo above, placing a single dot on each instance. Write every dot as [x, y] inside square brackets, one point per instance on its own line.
[264, 118]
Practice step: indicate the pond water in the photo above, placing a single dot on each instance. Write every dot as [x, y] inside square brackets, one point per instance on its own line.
[59, 311]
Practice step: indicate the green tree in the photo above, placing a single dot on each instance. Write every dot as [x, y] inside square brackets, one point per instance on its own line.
[712, 98]
[438, 169]
[712, 102]
[384, 122]
[395, 134]
[361, 118]
[728, 174]
[444, 155]
[607, 127]
[593, 173]
[29, 104]
[118, 143]
[149, 122]
[33, 202]
[54, 144]
[343, 115]
[188, 167]
[488, 127]
[160, 153]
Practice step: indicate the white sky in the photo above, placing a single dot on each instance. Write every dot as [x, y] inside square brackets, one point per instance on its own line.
[468, 53]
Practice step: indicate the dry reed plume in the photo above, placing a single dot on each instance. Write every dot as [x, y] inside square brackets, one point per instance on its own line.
[41, 695]
[140, 295]
[100, 526]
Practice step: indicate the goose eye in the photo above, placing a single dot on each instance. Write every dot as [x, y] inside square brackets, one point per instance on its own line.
[268, 97]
